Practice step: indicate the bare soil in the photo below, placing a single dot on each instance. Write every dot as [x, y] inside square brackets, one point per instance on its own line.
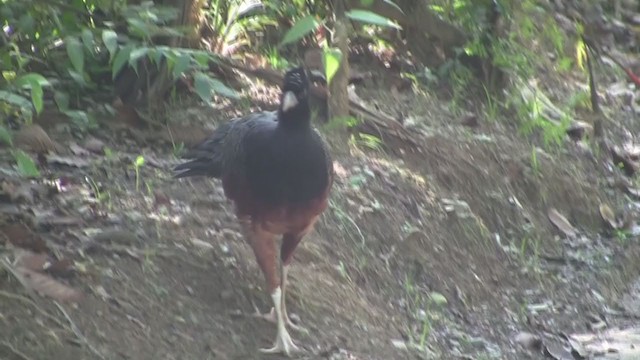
[465, 217]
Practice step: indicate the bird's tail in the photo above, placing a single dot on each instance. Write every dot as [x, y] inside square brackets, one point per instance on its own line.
[198, 167]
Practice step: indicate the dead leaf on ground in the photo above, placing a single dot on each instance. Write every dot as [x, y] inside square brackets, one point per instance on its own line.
[41, 262]
[19, 192]
[46, 285]
[49, 218]
[578, 129]
[609, 216]
[74, 161]
[30, 260]
[471, 120]
[78, 150]
[620, 157]
[19, 235]
[528, 340]
[115, 236]
[624, 343]
[94, 145]
[186, 134]
[557, 351]
[34, 138]
[561, 223]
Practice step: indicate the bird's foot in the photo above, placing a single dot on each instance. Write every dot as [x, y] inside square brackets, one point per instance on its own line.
[283, 344]
[271, 317]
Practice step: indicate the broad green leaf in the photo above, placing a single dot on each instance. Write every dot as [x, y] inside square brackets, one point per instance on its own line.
[205, 85]
[110, 40]
[137, 54]
[75, 53]
[77, 77]
[139, 161]
[389, 2]
[87, 39]
[370, 17]
[30, 78]
[438, 298]
[157, 54]
[5, 136]
[366, 3]
[16, 100]
[120, 60]
[36, 96]
[332, 58]
[26, 166]
[61, 99]
[183, 61]
[300, 29]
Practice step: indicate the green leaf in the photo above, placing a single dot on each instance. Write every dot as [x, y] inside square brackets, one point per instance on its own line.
[139, 161]
[28, 79]
[332, 58]
[87, 39]
[5, 136]
[300, 29]
[36, 96]
[34, 82]
[16, 100]
[77, 77]
[61, 99]
[110, 40]
[183, 61]
[120, 60]
[366, 3]
[389, 2]
[26, 166]
[370, 17]
[438, 298]
[137, 54]
[75, 53]
[205, 85]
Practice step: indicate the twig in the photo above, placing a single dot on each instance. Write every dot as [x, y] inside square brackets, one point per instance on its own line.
[77, 332]
[32, 303]
[15, 351]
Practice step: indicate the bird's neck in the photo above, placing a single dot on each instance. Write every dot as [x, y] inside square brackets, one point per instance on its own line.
[296, 118]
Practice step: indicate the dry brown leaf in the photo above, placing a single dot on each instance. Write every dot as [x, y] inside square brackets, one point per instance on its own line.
[624, 343]
[34, 138]
[578, 129]
[46, 285]
[19, 235]
[561, 223]
[94, 145]
[609, 216]
[629, 166]
[78, 150]
[54, 220]
[74, 161]
[30, 260]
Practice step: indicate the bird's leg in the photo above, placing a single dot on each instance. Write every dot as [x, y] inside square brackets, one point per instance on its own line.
[264, 248]
[284, 271]
[263, 245]
[271, 316]
[283, 343]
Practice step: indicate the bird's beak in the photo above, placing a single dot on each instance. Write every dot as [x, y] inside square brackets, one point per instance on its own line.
[289, 101]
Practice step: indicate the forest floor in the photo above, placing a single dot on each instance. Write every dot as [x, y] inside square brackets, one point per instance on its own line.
[479, 245]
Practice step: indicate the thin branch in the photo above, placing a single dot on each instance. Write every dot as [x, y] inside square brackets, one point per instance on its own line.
[77, 332]
[15, 351]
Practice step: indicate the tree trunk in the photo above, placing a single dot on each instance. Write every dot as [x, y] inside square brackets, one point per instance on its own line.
[339, 96]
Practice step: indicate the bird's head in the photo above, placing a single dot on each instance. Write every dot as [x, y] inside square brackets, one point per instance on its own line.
[295, 89]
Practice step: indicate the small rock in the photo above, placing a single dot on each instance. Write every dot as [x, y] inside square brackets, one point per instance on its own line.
[226, 294]
[528, 340]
